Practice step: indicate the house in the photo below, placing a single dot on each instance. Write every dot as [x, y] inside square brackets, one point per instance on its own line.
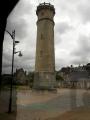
[21, 77]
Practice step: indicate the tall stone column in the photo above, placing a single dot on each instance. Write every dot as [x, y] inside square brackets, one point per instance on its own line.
[45, 56]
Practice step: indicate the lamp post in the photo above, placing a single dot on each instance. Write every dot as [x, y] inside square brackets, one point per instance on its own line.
[14, 43]
[20, 54]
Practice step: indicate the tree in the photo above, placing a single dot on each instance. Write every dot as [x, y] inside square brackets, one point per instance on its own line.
[88, 68]
[59, 77]
[65, 70]
[31, 78]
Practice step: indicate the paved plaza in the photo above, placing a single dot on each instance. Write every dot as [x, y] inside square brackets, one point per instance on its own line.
[42, 105]
[32, 105]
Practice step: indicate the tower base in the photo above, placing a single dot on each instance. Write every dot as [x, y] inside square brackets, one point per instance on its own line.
[44, 81]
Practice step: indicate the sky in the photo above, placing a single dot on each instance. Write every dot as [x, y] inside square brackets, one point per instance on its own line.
[71, 34]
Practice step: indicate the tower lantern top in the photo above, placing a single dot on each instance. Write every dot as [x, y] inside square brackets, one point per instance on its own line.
[45, 6]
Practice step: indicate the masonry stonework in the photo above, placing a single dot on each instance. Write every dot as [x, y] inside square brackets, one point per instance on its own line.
[45, 55]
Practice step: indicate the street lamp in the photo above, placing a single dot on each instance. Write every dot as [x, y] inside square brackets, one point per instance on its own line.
[20, 54]
[14, 52]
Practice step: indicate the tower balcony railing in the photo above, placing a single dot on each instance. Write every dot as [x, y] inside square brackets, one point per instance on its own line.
[41, 4]
[45, 5]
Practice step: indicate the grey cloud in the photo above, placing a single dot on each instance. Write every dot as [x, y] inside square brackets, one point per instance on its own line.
[7, 55]
[27, 64]
[18, 19]
[24, 15]
[62, 27]
[84, 10]
[79, 60]
[57, 39]
[61, 62]
[6, 70]
[29, 56]
[82, 53]
[83, 46]
[27, 61]
[23, 7]
[6, 65]
[19, 26]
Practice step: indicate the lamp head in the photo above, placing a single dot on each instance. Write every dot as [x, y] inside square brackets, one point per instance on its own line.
[16, 41]
[20, 54]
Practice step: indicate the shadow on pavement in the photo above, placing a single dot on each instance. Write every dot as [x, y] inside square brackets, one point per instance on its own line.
[4, 104]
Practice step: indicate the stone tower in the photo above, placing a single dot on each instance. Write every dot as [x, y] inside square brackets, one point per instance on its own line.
[44, 77]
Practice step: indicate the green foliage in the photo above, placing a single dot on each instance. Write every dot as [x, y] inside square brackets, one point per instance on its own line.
[59, 77]
[6, 79]
[88, 68]
[65, 70]
[30, 78]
